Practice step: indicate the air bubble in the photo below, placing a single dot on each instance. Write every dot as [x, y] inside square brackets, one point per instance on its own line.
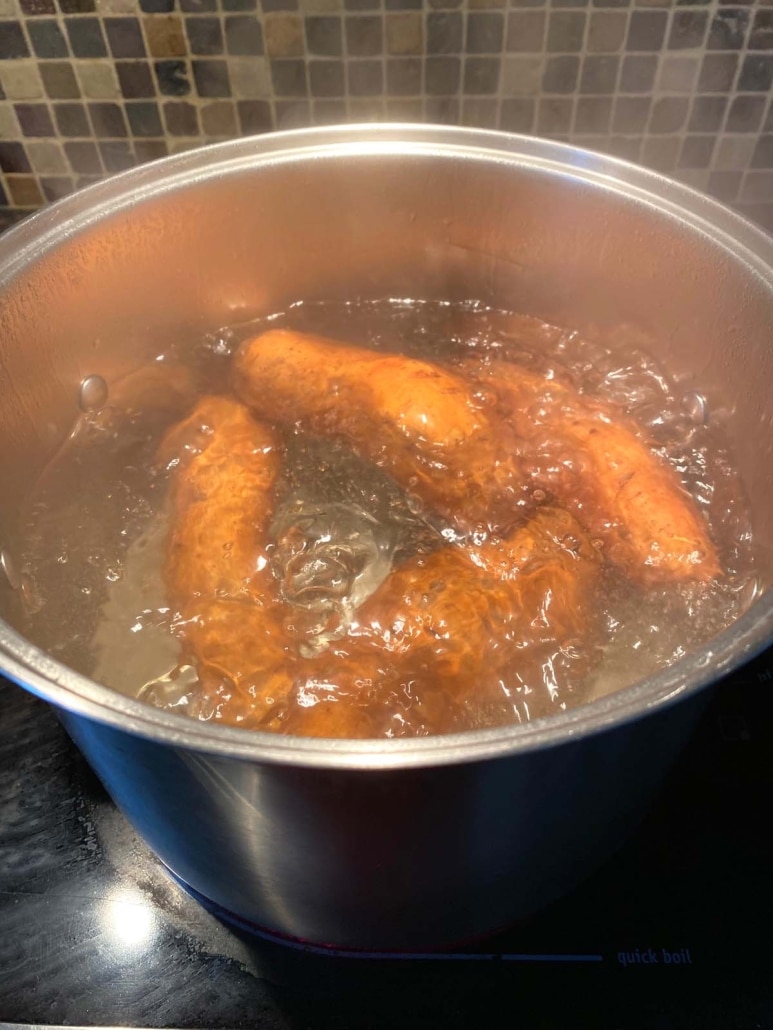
[9, 568]
[328, 560]
[749, 592]
[220, 344]
[172, 690]
[696, 407]
[93, 394]
[29, 592]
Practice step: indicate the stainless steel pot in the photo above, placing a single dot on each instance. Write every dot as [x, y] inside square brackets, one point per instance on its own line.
[391, 843]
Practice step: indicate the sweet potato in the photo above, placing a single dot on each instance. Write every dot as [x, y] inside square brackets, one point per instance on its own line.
[414, 419]
[591, 461]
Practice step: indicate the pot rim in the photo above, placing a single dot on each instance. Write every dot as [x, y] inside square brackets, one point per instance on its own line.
[35, 670]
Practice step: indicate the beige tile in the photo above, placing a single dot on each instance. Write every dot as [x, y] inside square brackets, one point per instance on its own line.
[219, 119]
[678, 74]
[698, 178]
[9, 127]
[8, 9]
[366, 109]
[180, 146]
[734, 152]
[480, 112]
[661, 152]
[606, 31]
[403, 109]
[521, 76]
[47, 157]
[21, 80]
[598, 144]
[164, 33]
[97, 79]
[404, 33]
[249, 77]
[117, 6]
[284, 35]
[483, 4]
[290, 115]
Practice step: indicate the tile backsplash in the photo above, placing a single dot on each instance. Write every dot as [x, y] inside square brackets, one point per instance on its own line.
[90, 87]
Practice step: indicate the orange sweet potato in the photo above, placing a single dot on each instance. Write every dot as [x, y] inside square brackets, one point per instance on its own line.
[224, 466]
[436, 642]
[593, 463]
[414, 419]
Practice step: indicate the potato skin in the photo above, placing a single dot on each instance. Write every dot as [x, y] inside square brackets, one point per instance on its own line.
[590, 460]
[417, 421]
[225, 465]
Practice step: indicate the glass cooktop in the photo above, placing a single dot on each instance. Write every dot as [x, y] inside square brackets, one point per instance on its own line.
[675, 933]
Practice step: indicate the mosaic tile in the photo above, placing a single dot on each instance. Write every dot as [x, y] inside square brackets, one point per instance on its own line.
[606, 31]
[47, 38]
[445, 33]
[90, 87]
[124, 37]
[707, 114]
[86, 37]
[688, 30]
[746, 113]
[97, 79]
[59, 80]
[678, 74]
[21, 80]
[364, 36]
[13, 45]
[144, 118]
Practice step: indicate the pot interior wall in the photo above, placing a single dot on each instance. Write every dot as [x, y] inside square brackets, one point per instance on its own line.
[105, 297]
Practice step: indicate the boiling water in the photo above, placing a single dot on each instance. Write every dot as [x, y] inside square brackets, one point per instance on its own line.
[94, 535]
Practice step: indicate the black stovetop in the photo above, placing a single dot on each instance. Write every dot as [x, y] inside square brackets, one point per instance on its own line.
[675, 932]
